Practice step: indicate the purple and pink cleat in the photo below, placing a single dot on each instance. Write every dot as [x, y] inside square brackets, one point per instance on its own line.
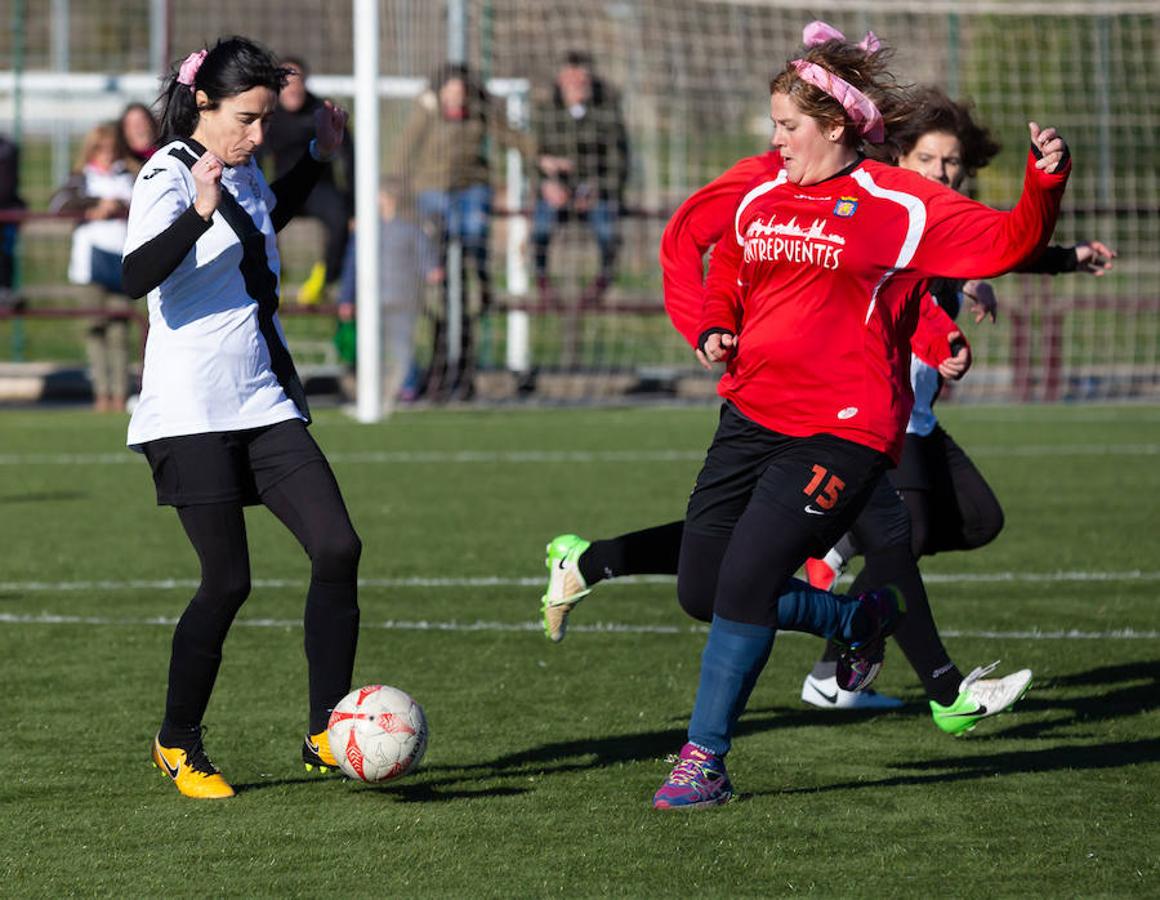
[859, 664]
[698, 780]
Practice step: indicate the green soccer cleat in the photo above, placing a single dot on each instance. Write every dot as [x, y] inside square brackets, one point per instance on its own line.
[980, 698]
[566, 586]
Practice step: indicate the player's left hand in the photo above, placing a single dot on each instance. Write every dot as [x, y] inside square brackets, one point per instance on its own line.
[329, 127]
[955, 367]
[1050, 144]
[984, 303]
[1093, 257]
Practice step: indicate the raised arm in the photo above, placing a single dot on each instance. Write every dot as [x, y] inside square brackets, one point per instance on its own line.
[292, 189]
[965, 239]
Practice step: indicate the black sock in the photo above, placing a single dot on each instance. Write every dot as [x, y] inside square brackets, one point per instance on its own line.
[917, 633]
[653, 551]
[331, 622]
[184, 736]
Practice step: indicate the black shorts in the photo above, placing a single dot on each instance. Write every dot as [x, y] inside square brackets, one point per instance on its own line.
[820, 483]
[228, 466]
[924, 460]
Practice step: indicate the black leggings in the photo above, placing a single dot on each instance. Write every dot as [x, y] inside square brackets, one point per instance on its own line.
[308, 502]
[951, 505]
[883, 533]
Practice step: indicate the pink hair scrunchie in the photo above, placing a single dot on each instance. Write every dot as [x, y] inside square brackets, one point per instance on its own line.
[818, 32]
[188, 71]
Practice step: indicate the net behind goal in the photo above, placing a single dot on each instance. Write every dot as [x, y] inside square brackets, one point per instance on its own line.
[683, 95]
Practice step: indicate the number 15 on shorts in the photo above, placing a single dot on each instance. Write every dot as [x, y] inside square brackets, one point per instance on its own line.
[823, 489]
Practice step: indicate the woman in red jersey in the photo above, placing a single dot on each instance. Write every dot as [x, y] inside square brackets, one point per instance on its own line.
[941, 141]
[811, 301]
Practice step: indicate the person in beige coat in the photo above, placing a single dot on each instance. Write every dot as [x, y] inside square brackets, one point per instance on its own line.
[442, 157]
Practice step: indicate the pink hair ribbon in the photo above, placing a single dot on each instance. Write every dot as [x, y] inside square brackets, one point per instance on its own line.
[188, 71]
[860, 108]
[818, 32]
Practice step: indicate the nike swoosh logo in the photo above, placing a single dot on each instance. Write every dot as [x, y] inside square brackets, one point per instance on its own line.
[827, 697]
[313, 746]
[978, 711]
[172, 772]
[151, 174]
[812, 511]
[562, 565]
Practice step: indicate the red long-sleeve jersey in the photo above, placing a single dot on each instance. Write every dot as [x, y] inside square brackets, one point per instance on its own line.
[701, 221]
[822, 285]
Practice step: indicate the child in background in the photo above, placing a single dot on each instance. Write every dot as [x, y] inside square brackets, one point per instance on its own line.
[408, 259]
[99, 190]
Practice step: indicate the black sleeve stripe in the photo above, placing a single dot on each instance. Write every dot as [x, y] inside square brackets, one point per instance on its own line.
[292, 189]
[154, 261]
[1054, 260]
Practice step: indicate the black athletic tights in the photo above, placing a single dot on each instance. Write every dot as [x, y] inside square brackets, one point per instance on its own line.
[309, 503]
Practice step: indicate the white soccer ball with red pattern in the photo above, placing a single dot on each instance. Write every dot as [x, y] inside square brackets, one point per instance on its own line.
[377, 733]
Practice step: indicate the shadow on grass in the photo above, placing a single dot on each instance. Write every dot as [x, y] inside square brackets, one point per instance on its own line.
[1120, 697]
[403, 791]
[594, 753]
[432, 783]
[968, 768]
[1129, 689]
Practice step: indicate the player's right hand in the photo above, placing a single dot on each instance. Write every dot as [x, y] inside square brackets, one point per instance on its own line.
[207, 177]
[717, 348]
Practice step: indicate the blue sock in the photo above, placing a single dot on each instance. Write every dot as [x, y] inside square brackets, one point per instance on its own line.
[804, 608]
[734, 656]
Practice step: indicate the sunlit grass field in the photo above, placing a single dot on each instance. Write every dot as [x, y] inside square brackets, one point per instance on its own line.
[543, 758]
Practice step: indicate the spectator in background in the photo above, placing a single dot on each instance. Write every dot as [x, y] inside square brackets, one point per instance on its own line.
[139, 131]
[408, 259]
[99, 191]
[331, 202]
[583, 161]
[9, 200]
[442, 156]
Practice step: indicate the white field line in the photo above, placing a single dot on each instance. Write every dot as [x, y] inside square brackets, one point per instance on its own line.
[45, 618]
[520, 457]
[521, 627]
[492, 581]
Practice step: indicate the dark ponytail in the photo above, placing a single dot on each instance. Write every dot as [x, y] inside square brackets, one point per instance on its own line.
[233, 66]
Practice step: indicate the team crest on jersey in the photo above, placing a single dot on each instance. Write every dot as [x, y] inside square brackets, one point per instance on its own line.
[846, 207]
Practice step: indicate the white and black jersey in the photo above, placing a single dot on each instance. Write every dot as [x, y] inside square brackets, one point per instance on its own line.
[215, 358]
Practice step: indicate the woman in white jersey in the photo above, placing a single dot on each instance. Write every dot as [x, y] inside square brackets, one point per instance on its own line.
[222, 415]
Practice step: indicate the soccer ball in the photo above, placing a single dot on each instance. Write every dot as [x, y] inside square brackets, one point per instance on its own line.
[377, 733]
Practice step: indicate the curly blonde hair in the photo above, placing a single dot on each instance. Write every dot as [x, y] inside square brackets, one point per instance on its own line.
[867, 71]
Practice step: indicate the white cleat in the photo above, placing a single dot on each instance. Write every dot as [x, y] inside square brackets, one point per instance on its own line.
[566, 586]
[980, 698]
[824, 693]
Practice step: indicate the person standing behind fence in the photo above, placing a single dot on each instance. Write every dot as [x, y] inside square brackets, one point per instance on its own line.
[99, 191]
[442, 157]
[222, 415]
[583, 146]
[9, 200]
[407, 260]
[332, 200]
